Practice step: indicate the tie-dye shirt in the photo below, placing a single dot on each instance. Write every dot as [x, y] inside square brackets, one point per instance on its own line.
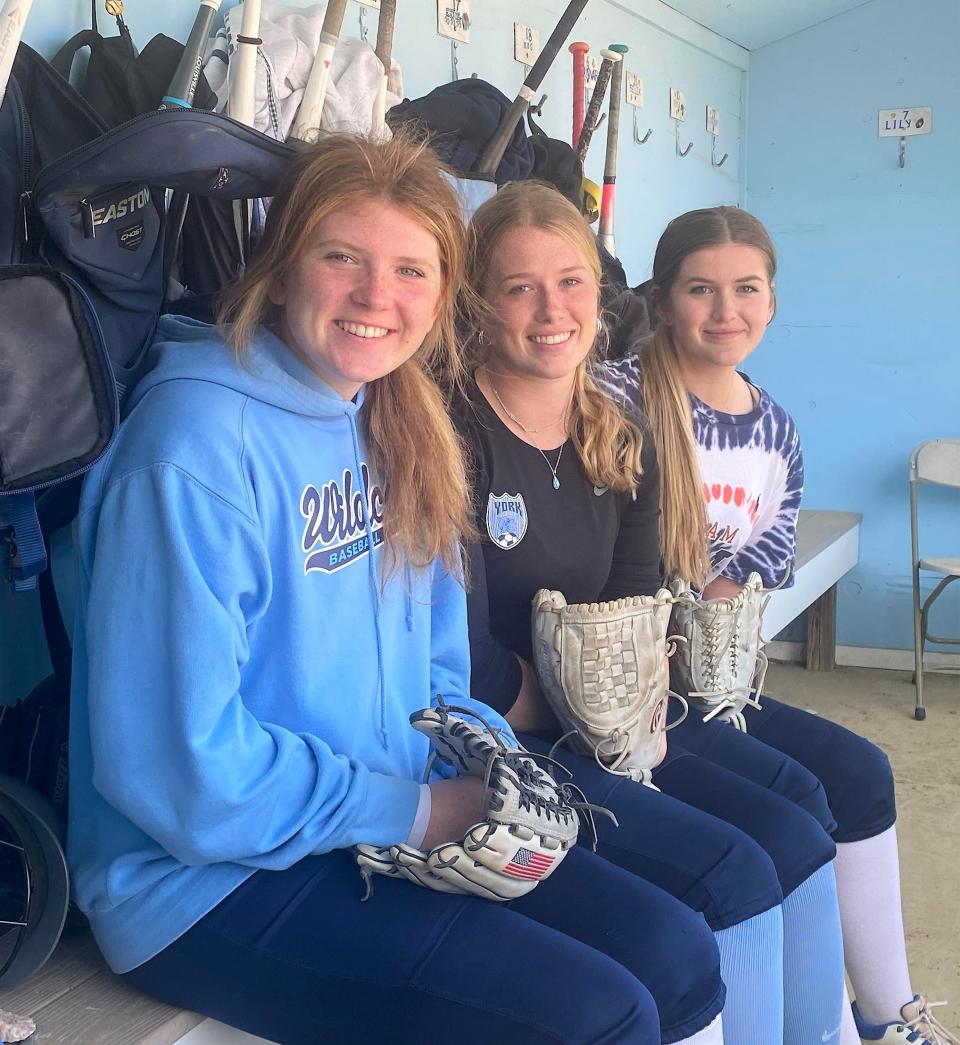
[752, 470]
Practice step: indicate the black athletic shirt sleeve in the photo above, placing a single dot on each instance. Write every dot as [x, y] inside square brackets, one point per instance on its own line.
[636, 568]
[495, 673]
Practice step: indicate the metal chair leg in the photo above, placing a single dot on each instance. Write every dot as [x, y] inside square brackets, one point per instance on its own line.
[919, 711]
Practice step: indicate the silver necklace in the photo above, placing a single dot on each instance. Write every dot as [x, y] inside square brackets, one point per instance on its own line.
[532, 431]
[553, 467]
[516, 420]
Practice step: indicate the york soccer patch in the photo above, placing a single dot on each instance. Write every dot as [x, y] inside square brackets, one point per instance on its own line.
[506, 519]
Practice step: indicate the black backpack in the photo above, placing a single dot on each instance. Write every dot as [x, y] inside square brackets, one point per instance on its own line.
[119, 82]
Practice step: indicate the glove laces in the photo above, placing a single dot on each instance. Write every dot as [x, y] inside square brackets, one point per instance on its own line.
[540, 785]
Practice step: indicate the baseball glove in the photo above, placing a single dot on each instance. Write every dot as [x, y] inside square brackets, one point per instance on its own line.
[602, 669]
[530, 820]
[721, 664]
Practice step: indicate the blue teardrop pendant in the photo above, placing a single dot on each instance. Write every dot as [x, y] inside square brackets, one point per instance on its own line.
[556, 483]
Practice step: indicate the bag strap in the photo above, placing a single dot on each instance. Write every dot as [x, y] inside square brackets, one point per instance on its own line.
[62, 61]
[26, 553]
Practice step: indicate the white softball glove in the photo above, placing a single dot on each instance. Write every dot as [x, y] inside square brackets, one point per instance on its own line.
[530, 821]
[603, 671]
[721, 665]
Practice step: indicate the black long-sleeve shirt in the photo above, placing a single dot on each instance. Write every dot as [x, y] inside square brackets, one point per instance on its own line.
[589, 543]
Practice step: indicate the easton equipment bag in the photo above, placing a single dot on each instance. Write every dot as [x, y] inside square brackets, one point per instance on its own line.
[95, 216]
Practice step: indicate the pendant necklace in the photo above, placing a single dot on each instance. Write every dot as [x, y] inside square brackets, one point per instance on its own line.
[553, 467]
[532, 431]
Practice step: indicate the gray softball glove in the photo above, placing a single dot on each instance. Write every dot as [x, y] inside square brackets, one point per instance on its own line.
[530, 820]
[721, 664]
[602, 669]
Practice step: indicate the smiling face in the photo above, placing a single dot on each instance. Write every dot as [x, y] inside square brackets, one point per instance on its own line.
[361, 295]
[545, 299]
[719, 306]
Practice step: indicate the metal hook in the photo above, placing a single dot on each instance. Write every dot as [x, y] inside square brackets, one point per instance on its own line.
[681, 152]
[454, 63]
[363, 23]
[713, 153]
[537, 110]
[903, 152]
[636, 131]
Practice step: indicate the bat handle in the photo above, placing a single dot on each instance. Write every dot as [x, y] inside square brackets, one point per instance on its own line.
[579, 51]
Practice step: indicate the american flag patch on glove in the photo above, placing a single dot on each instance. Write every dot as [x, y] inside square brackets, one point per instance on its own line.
[528, 864]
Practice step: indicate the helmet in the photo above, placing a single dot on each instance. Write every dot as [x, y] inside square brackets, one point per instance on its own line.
[590, 194]
[34, 883]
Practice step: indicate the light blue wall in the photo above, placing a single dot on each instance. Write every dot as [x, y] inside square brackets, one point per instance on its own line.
[865, 348]
[666, 49]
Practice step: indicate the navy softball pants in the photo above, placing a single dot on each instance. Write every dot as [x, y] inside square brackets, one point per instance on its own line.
[590, 956]
[856, 775]
[726, 846]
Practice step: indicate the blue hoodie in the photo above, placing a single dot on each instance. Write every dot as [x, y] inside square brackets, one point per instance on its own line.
[242, 678]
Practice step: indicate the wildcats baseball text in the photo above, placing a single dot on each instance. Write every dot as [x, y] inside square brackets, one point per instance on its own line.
[335, 533]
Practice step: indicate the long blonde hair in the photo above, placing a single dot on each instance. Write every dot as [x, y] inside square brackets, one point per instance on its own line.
[609, 444]
[683, 517]
[412, 443]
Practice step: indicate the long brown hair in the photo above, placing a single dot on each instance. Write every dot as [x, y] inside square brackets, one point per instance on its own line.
[412, 443]
[683, 518]
[609, 444]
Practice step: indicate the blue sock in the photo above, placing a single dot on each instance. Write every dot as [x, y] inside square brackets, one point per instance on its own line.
[751, 964]
[812, 962]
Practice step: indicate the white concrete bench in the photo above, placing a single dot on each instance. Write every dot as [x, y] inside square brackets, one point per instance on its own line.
[76, 1000]
[828, 546]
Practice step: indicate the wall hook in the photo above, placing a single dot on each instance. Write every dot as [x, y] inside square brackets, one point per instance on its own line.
[454, 62]
[681, 152]
[636, 130]
[537, 110]
[713, 154]
[903, 152]
[364, 33]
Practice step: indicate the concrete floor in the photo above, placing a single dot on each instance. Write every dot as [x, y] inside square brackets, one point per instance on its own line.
[926, 765]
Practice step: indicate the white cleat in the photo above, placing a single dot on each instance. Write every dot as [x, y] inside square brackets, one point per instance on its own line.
[917, 1026]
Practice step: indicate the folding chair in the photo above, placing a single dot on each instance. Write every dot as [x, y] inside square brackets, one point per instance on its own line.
[935, 461]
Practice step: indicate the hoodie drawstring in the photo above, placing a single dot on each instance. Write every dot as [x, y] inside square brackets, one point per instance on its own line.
[374, 589]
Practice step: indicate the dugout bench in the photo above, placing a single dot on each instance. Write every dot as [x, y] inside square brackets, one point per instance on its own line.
[75, 998]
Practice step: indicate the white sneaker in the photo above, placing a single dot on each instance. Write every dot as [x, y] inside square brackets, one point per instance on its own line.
[917, 1025]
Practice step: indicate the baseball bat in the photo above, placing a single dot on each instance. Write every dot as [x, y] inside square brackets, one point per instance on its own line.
[183, 86]
[610, 58]
[243, 82]
[384, 50]
[579, 51]
[493, 151]
[610, 163]
[13, 17]
[306, 127]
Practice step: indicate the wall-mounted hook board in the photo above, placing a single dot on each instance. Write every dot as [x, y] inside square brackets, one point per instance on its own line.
[634, 90]
[453, 20]
[526, 43]
[902, 123]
